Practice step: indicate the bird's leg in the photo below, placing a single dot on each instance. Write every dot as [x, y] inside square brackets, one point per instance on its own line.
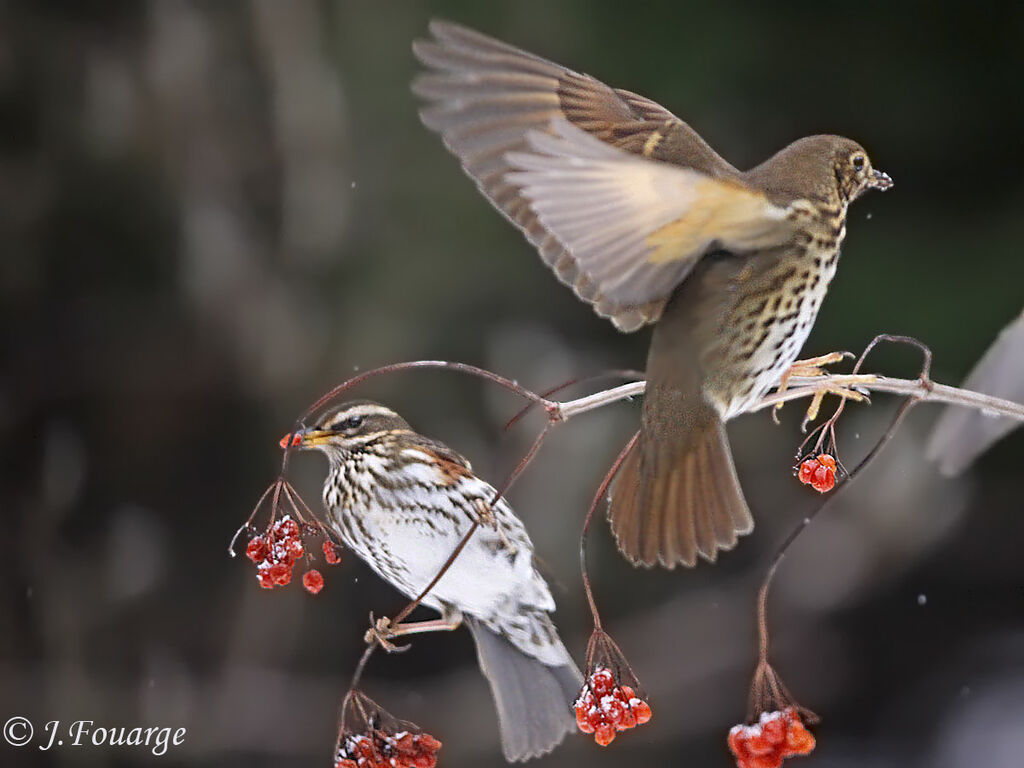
[815, 366]
[383, 631]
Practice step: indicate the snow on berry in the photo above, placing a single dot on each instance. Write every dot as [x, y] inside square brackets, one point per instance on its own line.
[819, 473]
[276, 552]
[379, 749]
[603, 708]
[765, 744]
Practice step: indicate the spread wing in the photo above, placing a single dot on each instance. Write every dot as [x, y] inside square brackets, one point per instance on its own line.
[634, 227]
[489, 99]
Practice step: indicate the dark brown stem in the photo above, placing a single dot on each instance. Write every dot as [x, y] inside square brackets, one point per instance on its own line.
[924, 375]
[358, 674]
[762, 599]
[471, 370]
[766, 684]
[614, 373]
[523, 463]
[601, 491]
[248, 522]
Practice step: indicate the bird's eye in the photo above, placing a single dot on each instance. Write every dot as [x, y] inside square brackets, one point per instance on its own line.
[858, 163]
[352, 422]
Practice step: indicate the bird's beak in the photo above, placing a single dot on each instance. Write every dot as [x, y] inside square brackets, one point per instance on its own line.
[880, 181]
[304, 438]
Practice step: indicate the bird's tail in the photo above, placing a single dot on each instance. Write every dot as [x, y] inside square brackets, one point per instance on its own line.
[676, 494]
[533, 699]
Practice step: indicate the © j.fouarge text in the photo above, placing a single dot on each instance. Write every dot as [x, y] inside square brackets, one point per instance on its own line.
[80, 733]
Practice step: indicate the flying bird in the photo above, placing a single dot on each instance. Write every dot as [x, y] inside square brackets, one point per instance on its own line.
[633, 210]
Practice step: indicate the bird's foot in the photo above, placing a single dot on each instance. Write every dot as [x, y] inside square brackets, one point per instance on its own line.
[382, 631]
[816, 366]
[846, 391]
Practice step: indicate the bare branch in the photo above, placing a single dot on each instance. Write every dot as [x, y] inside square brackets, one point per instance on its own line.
[799, 387]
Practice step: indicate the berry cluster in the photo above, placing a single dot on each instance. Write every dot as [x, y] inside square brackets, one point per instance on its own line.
[767, 743]
[819, 473]
[381, 750]
[276, 552]
[604, 707]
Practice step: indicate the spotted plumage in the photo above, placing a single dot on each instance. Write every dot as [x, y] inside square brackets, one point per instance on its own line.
[403, 502]
[630, 207]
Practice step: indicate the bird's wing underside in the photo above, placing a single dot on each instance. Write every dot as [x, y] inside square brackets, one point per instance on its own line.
[635, 228]
[492, 102]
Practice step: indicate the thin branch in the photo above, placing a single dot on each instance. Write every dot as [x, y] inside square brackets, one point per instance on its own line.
[598, 497]
[922, 391]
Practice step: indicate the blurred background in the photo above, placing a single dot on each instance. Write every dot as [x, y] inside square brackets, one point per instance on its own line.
[210, 213]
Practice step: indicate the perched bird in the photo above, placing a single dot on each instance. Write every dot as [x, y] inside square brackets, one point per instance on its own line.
[649, 225]
[403, 503]
[961, 435]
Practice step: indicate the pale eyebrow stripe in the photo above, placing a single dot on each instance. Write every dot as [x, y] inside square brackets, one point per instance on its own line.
[365, 410]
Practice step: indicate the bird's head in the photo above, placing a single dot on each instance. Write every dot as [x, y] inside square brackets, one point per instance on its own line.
[853, 172]
[830, 168]
[346, 428]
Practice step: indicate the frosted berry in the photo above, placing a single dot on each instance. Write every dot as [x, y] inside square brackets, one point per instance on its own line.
[257, 549]
[776, 736]
[286, 528]
[294, 549]
[604, 708]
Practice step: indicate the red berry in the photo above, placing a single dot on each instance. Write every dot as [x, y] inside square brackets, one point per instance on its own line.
[265, 579]
[331, 553]
[612, 710]
[280, 573]
[604, 734]
[344, 762]
[737, 740]
[581, 719]
[294, 550]
[286, 528]
[758, 745]
[799, 740]
[257, 549]
[807, 471]
[313, 581]
[427, 741]
[628, 719]
[824, 479]
[774, 729]
[828, 461]
[642, 711]
[602, 681]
